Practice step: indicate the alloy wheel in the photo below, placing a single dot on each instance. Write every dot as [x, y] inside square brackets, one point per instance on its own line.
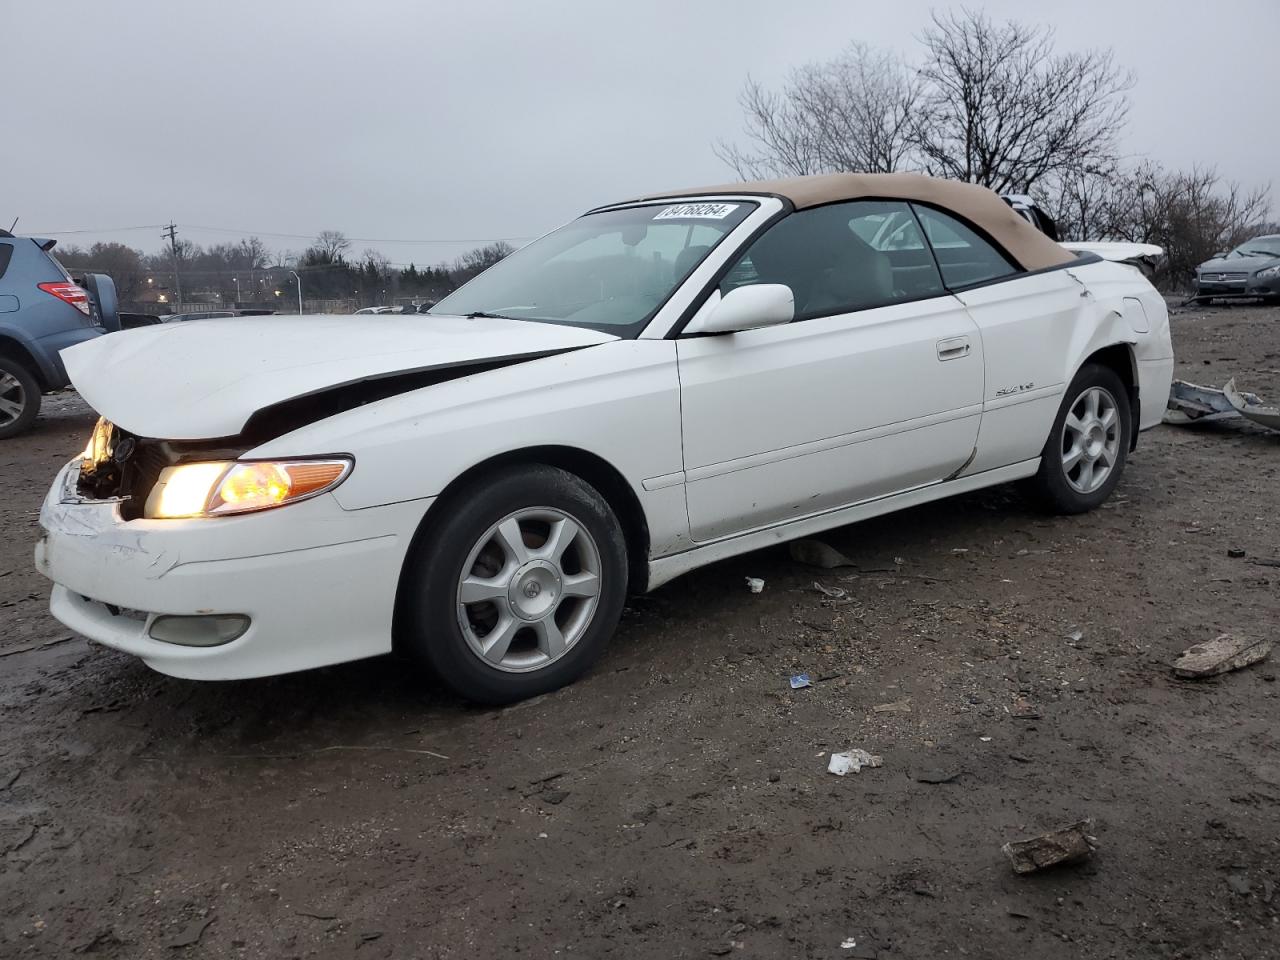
[13, 399]
[1091, 440]
[528, 589]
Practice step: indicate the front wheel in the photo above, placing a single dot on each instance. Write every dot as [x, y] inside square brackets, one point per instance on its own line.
[19, 398]
[1085, 454]
[517, 586]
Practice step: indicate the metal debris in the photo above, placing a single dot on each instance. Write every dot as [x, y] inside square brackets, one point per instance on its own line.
[1066, 845]
[1220, 655]
[1193, 403]
[815, 553]
[852, 761]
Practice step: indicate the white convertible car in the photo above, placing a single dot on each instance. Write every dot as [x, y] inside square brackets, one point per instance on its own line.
[655, 386]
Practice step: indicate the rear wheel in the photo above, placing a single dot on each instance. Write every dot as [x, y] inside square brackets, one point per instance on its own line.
[19, 398]
[517, 588]
[1085, 454]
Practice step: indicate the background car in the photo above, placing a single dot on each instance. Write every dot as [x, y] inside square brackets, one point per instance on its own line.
[1250, 270]
[42, 310]
[213, 315]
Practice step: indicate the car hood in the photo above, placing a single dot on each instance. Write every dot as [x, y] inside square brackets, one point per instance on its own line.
[196, 381]
[1237, 264]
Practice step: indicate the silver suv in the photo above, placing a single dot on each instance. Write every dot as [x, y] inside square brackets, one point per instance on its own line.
[42, 311]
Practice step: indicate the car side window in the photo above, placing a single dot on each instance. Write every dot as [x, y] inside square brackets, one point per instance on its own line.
[841, 258]
[964, 256]
[6, 254]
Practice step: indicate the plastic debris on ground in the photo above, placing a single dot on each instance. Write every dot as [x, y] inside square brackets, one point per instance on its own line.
[801, 680]
[755, 584]
[1065, 845]
[898, 706]
[1193, 403]
[835, 593]
[852, 761]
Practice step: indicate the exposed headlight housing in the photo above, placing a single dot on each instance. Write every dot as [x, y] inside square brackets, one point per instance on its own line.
[218, 488]
[1269, 273]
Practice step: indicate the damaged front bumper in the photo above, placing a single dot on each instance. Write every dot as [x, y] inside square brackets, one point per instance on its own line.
[1192, 403]
[303, 585]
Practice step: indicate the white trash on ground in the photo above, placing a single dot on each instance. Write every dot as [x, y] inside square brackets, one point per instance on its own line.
[852, 761]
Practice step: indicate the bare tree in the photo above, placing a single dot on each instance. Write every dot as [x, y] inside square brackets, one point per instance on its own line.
[850, 113]
[254, 254]
[1192, 214]
[478, 260]
[1002, 109]
[122, 263]
[332, 243]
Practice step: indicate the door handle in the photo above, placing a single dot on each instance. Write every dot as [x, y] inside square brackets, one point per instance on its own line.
[953, 349]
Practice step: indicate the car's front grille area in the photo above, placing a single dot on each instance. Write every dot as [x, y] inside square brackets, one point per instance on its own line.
[1228, 277]
[120, 465]
[123, 466]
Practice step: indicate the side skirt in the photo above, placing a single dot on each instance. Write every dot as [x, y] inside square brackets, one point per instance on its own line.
[664, 569]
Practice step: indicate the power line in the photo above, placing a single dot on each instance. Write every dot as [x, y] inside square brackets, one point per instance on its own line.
[271, 234]
[146, 226]
[302, 236]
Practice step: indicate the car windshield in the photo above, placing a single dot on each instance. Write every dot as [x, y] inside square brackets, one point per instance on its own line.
[1260, 247]
[609, 271]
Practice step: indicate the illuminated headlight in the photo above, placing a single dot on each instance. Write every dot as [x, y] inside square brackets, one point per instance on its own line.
[1270, 273]
[222, 487]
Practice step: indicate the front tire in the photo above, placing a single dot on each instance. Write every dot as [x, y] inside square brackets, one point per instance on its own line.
[19, 398]
[517, 586]
[1084, 457]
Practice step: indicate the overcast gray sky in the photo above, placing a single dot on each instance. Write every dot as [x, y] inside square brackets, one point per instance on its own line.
[415, 120]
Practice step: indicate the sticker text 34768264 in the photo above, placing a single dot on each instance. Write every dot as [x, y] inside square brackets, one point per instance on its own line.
[696, 211]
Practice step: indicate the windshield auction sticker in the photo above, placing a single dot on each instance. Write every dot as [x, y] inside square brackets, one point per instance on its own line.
[696, 211]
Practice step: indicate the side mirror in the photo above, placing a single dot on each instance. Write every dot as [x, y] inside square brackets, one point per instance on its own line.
[746, 308]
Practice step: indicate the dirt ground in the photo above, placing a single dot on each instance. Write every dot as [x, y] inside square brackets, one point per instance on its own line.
[675, 803]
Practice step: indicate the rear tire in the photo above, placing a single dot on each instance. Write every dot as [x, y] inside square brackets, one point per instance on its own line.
[19, 398]
[1084, 457]
[516, 587]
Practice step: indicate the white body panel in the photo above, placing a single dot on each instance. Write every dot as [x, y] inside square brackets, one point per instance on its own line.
[800, 418]
[727, 443]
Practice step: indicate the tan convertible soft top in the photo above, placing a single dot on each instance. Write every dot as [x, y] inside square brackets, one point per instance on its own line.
[980, 206]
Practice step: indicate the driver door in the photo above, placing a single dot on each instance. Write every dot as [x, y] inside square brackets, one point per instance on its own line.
[875, 387]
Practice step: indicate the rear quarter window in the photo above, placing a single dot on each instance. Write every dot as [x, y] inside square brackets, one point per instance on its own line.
[6, 254]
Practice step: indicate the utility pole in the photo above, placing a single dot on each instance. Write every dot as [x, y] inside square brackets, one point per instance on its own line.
[299, 279]
[171, 232]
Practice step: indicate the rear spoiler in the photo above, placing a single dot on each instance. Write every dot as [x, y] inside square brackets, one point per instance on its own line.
[43, 244]
[1119, 252]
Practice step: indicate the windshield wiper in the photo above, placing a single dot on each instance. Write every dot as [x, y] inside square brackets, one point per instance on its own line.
[1262, 253]
[482, 315]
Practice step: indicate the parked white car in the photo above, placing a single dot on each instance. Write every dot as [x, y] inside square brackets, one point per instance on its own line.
[655, 386]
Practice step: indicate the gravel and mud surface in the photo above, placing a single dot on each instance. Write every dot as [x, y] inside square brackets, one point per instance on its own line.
[675, 803]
